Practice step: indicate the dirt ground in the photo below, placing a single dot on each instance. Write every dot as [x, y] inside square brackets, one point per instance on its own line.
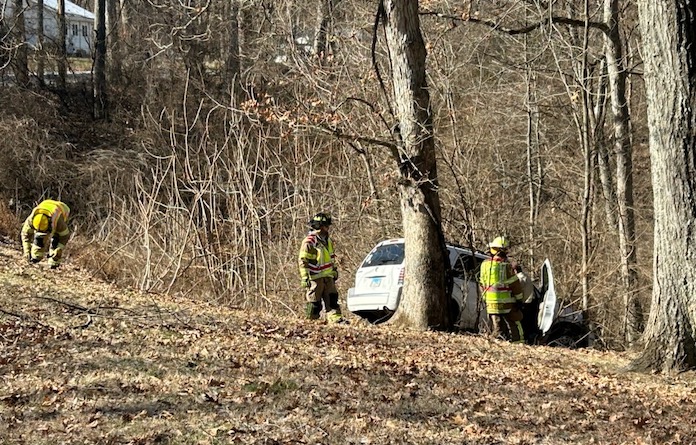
[84, 362]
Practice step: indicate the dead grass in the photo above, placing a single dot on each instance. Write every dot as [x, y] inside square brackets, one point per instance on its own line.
[86, 362]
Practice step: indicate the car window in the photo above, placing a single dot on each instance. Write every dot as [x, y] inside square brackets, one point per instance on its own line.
[388, 254]
[459, 270]
[467, 265]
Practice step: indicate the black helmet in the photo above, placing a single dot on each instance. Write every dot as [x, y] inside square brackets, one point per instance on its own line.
[319, 220]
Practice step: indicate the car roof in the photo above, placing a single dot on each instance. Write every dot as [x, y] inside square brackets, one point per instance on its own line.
[457, 247]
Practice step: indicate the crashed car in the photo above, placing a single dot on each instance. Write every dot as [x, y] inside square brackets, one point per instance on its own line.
[379, 283]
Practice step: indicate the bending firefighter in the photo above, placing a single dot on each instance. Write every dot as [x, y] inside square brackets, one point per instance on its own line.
[318, 270]
[502, 292]
[46, 229]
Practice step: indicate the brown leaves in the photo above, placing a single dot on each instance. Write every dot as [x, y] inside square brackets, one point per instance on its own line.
[152, 368]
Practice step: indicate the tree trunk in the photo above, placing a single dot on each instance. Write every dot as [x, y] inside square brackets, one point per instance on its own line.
[589, 156]
[533, 158]
[114, 41]
[633, 318]
[21, 67]
[40, 52]
[604, 170]
[324, 10]
[100, 106]
[62, 31]
[124, 16]
[424, 302]
[234, 66]
[669, 50]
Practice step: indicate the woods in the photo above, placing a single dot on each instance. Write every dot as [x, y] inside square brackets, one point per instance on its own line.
[208, 132]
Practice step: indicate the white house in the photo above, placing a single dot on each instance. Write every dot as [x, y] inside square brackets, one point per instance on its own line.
[79, 21]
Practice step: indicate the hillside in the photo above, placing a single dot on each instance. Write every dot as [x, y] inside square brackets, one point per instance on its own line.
[84, 362]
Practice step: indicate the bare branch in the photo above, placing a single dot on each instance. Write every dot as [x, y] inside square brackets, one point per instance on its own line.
[525, 29]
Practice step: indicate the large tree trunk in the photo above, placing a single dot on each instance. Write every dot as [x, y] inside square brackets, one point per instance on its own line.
[424, 301]
[669, 50]
[21, 66]
[114, 41]
[633, 315]
[100, 106]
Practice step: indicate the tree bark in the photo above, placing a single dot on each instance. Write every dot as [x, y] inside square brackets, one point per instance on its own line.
[114, 41]
[234, 66]
[633, 317]
[589, 156]
[425, 302]
[21, 66]
[124, 16]
[41, 52]
[324, 10]
[100, 105]
[62, 56]
[669, 50]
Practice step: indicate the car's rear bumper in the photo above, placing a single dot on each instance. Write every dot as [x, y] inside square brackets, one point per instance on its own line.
[382, 301]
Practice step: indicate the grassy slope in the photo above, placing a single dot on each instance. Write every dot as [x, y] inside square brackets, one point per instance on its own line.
[85, 362]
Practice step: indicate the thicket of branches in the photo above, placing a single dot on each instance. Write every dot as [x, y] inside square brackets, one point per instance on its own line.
[230, 123]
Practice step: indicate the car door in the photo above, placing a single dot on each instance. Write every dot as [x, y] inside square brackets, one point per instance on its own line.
[549, 304]
[465, 293]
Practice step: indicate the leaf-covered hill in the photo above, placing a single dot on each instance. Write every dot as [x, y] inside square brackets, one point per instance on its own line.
[84, 362]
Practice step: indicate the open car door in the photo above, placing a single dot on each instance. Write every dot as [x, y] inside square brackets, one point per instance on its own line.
[547, 309]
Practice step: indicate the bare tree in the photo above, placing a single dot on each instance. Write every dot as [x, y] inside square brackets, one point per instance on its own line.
[233, 65]
[20, 59]
[113, 33]
[669, 50]
[424, 302]
[321, 37]
[100, 105]
[62, 56]
[41, 51]
[633, 318]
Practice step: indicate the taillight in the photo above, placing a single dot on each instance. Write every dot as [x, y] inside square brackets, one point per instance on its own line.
[402, 273]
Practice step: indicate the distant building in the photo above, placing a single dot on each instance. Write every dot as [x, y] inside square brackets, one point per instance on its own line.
[79, 24]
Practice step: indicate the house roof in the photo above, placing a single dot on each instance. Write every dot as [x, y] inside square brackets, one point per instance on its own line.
[70, 8]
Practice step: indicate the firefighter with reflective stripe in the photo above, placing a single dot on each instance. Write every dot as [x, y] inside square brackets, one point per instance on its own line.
[46, 229]
[502, 292]
[319, 272]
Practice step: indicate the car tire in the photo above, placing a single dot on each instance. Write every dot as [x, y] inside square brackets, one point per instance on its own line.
[567, 334]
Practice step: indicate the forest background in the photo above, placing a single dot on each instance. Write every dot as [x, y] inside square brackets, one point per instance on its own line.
[228, 124]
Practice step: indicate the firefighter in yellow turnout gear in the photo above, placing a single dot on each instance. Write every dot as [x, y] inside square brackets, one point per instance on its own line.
[502, 292]
[46, 230]
[319, 271]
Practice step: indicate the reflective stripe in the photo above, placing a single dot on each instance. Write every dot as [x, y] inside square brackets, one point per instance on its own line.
[317, 258]
[317, 269]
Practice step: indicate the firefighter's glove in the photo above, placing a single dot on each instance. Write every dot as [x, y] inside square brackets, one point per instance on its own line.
[306, 283]
[335, 275]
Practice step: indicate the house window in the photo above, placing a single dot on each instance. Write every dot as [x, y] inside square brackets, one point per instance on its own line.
[74, 29]
[84, 30]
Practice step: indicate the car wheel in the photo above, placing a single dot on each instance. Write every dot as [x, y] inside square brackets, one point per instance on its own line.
[568, 335]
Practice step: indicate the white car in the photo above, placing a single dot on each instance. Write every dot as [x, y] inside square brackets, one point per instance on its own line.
[380, 278]
[379, 282]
